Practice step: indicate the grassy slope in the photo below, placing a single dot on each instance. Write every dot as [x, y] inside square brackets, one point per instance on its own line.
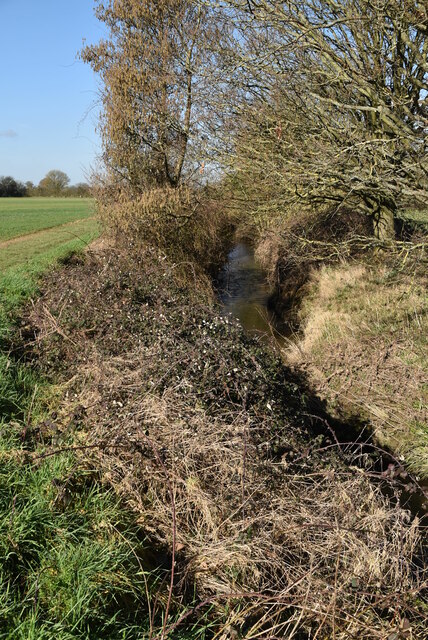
[19, 216]
[364, 344]
[207, 430]
[67, 551]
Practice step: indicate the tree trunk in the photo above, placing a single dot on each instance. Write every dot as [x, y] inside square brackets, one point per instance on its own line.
[383, 223]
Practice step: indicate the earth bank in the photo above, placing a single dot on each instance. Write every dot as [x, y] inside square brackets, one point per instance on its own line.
[360, 312]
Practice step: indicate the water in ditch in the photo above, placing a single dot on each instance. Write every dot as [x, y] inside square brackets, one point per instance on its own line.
[244, 292]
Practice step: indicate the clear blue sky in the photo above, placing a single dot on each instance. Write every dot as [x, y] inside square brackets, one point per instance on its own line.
[45, 93]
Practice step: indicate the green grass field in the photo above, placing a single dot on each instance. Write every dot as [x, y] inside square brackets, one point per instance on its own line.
[50, 229]
[34, 231]
[55, 240]
[19, 216]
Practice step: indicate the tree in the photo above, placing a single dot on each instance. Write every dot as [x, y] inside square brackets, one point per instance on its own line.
[11, 188]
[81, 190]
[30, 188]
[338, 109]
[153, 67]
[54, 183]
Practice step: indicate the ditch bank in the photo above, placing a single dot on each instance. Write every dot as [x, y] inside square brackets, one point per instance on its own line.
[361, 311]
[245, 293]
[216, 448]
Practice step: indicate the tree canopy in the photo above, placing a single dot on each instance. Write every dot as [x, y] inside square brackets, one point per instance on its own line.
[341, 111]
[155, 66]
[11, 188]
[54, 183]
[320, 102]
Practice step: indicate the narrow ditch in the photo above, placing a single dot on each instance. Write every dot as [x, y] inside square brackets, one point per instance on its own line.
[244, 292]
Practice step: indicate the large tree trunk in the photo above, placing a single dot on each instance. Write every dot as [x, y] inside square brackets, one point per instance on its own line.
[383, 223]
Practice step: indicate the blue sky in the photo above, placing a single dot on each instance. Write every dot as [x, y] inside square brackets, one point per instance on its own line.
[48, 109]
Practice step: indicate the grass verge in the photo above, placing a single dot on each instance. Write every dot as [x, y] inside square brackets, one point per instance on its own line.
[73, 561]
[48, 244]
[69, 557]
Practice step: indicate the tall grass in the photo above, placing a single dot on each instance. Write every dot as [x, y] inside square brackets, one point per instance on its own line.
[70, 560]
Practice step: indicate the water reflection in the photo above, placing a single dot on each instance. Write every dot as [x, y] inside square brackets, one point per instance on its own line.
[244, 292]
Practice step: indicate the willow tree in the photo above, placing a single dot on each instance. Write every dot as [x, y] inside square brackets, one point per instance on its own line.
[342, 114]
[153, 66]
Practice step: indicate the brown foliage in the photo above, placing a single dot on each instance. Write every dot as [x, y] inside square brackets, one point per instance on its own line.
[154, 68]
[189, 226]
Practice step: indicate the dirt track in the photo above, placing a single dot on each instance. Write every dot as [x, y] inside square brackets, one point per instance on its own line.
[18, 239]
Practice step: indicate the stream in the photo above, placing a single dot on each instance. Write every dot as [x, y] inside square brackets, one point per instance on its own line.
[244, 293]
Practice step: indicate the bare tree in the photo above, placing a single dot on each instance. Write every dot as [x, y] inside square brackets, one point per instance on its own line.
[337, 105]
[54, 183]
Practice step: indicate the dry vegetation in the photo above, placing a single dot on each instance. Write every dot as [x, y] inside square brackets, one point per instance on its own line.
[186, 224]
[361, 309]
[270, 530]
[302, 240]
[253, 520]
[364, 346]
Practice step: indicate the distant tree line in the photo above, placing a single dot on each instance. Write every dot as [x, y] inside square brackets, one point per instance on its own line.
[11, 188]
[55, 183]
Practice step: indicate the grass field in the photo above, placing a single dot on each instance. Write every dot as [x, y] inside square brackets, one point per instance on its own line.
[33, 230]
[19, 216]
[34, 234]
[29, 248]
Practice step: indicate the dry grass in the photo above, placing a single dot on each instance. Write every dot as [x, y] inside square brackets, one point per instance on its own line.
[178, 222]
[318, 549]
[364, 346]
[204, 437]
